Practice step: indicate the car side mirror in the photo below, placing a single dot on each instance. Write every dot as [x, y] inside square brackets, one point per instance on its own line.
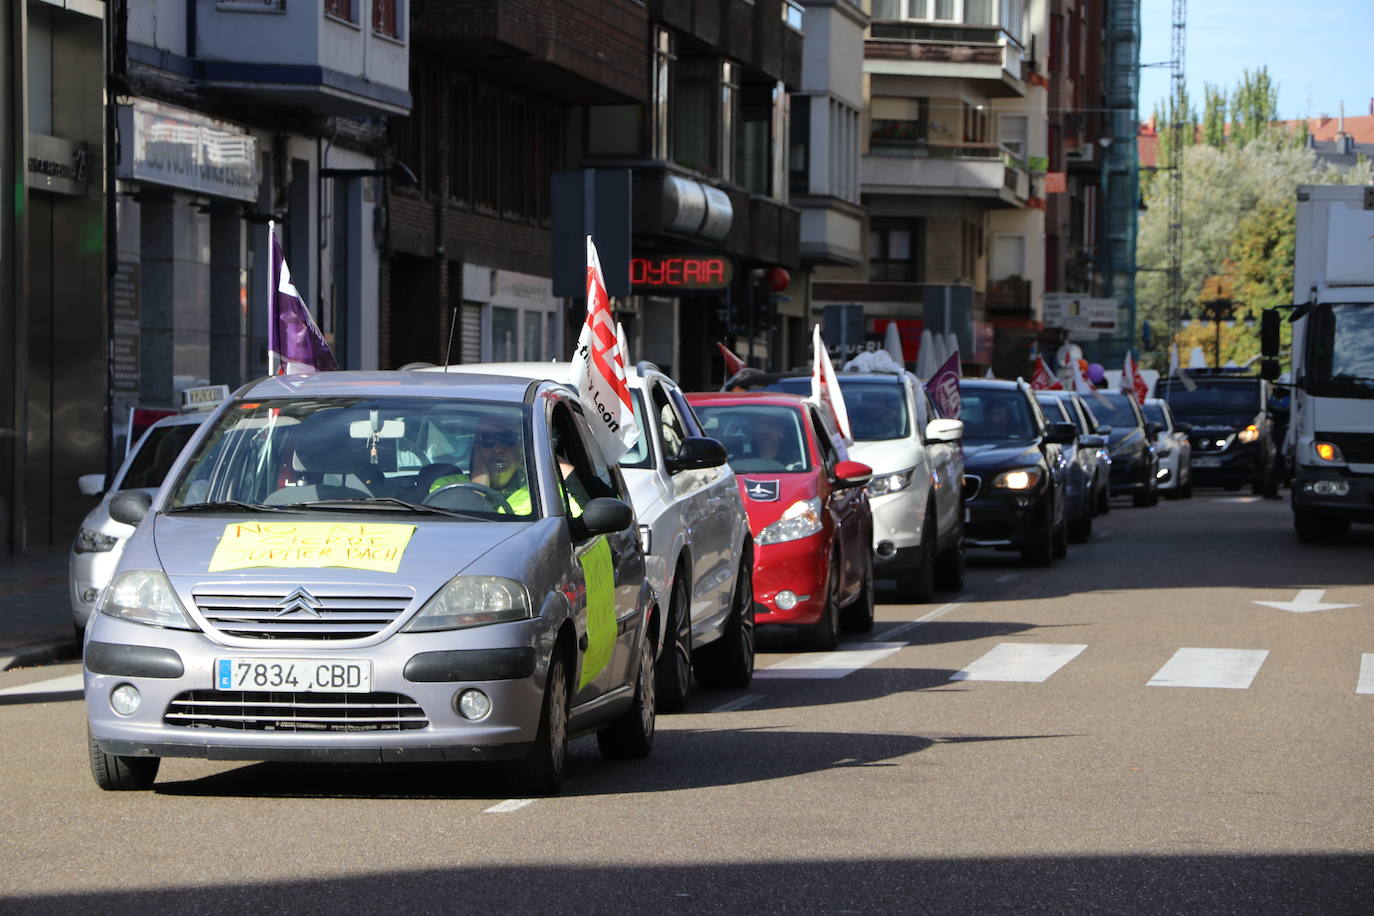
[603, 515]
[1092, 440]
[130, 506]
[943, 430]
[1061, 433]
[1104, 429]
[1269, 336]
[852, 474]
[1270, 370]
[91, 484]
[1153, 429]
[697, 453]
[1183, 427]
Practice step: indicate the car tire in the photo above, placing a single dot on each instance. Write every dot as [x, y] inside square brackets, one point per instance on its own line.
[917, 584]
[673, 674]
[729, 661]
[823, 635]
[632, 735]
[1186, 491]
[1040, 552]
[1145, 497]
[857, 616]
[114, 773]
[1104, 501]
[1312, 528]
[1060, 540]
[950, 566]
[1081, 529]
[540, 772]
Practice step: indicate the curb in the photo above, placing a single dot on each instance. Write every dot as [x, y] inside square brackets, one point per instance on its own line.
[40, 653]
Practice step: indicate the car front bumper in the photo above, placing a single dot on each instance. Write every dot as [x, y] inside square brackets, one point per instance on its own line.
[1357, 505]
[801, 567]
[1004, 520]
[173, 672]
[1238, 464]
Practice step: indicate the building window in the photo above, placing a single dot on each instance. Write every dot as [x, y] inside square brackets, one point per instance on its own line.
[799, 149]
[486, 157]
[894, 250]
[340, 9]
[460, 141]
[729, 118]
[661, 90]
[793, 13]
[695, 122]
[1004, 13]
[386, 18]
[1008, 256]
[1011, 133]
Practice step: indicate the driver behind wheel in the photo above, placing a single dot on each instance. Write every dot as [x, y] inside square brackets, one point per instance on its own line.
[497, 462]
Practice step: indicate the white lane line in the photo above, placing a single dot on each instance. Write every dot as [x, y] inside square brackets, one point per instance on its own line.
[1023, 662]
[509, 805]
[1366, 681]
[64, 684]
[835, 664]
[739, 702]
[939, 612]
[1233, 669]
[1009, 577]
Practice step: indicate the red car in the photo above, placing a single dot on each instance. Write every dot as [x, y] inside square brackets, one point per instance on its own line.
[808, 511]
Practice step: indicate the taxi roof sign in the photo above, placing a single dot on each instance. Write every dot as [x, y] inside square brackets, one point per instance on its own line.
[203, 398]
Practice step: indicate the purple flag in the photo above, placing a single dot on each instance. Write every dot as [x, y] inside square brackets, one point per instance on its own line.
[944, 387]
[294, 342]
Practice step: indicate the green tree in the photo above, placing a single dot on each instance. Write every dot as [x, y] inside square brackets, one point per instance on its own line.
[1214, 115]
[1254, 105]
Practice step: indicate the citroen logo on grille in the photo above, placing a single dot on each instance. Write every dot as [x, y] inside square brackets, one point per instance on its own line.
[300, 601]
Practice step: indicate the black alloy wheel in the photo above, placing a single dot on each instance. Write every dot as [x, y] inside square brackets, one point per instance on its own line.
[674, 671]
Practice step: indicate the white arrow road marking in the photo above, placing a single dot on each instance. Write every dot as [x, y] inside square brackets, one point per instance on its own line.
[64, 684]
[509, 805]
[1307, 601]
[831, 664]
[1231, 668]
[1366, 681]
[1023, 662]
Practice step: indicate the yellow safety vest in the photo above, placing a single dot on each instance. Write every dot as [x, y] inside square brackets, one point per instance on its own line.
[518, 499]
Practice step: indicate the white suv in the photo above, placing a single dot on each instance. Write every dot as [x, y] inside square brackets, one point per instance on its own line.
[697, 545]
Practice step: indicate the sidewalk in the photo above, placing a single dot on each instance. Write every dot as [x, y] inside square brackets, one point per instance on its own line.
[35, 612]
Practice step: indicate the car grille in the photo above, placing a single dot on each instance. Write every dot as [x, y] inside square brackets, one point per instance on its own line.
[314, 612]
[972, 484]
[295, 712]
[1358, 448]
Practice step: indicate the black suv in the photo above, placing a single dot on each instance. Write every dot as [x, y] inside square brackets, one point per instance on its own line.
[1232, 434]
[1015, 471]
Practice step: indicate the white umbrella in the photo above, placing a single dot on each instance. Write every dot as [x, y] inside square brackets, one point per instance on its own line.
[925, 359]
[892, 342]
[951, 346]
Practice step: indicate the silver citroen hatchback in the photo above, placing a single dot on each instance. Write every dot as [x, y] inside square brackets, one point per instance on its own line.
[377, 566]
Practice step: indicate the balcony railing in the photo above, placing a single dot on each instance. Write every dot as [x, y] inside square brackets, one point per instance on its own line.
[980, 169]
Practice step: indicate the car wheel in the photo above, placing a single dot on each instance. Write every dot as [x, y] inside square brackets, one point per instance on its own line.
[673, 675]
[729, 661]
[1081, 529]
[1040, 552]
[540, 772]
[917, 585]
[1060, 541]
[823, 635]
[632, 735]
[949, 567]
[114, 773]
[1145, 497]
[1312, 528]
[1104, 501]
[857, 617]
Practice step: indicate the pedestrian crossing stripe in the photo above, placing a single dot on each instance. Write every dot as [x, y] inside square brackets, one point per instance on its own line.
[840, 663]
[1232, 669]
[1025, 662]
[1366, 682]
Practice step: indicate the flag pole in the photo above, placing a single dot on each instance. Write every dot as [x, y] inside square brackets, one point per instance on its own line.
[272, 358]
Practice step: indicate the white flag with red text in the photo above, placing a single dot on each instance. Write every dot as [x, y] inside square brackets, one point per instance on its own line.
[1131, 381]
[1043, 377]
[825, 387]
[598, 368]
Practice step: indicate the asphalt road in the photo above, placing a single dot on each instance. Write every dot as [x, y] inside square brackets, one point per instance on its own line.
[1061, 740]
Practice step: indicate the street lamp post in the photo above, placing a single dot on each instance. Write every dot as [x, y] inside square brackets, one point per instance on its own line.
[1216, 311]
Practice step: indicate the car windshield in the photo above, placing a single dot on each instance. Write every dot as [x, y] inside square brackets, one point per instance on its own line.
[154, 457]
[1114, 410]
[379, 453]
[1055, 410]
[1211, 397]
[991, 413]
[876, 410]
[1154, 414]
[1341, 346]
[761, 437]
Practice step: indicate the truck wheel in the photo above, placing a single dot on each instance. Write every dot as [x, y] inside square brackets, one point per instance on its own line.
[114, 773]
[674, 672]
[729, 661]
[1312, 528]
[632, 735]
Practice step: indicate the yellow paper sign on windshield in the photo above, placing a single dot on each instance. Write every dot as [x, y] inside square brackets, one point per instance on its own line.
[600, 576]
[292, 545]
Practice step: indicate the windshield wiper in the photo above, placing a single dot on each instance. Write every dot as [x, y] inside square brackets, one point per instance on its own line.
[389, 503]
[227, 505]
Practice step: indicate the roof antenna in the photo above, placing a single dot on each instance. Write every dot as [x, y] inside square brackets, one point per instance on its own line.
[453, 320]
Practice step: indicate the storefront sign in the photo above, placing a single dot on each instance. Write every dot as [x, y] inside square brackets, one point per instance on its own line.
[56, 165]
[1084, 316]
[170, 146]
[669, 273]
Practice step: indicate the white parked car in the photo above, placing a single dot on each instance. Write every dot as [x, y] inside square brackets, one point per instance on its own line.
[100, 540]
[698, 549]
[1174, 450]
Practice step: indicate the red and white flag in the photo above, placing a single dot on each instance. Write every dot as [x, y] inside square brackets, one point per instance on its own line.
[733, 363]
[1043, 377]
[825, 387]
[1131, 381]
[598, 368]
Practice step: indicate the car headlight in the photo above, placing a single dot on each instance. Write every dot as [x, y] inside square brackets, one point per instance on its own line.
[472, 601]
[890, 483]
[1328, 451]
[145, 596]
[1248, 434]
[88, 541]
[802, 519]
[1019, 479]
